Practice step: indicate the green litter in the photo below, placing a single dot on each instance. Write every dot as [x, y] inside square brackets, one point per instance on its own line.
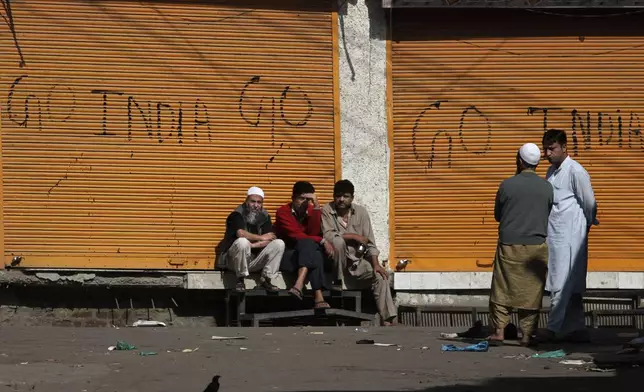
[121, 345]
[147, 353]
[550, 354]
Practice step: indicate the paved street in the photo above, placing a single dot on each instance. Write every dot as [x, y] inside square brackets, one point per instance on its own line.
[61, 359]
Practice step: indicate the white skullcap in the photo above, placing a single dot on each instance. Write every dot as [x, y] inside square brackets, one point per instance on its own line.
[253, 190]
[530, 154]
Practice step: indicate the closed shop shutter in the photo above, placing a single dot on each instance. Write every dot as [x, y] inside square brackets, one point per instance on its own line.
[131, 129]
[469, 87]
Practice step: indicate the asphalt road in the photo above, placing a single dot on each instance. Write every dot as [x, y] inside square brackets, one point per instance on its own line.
[56, 359]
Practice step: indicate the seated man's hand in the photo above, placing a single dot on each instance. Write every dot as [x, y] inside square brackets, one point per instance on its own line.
[268, 237]
[360, 239]
[378, 269]
[312, 198]
[329, 249]
[260, 244]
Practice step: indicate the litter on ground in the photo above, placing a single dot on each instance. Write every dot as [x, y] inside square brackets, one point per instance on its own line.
[479, 347]
[550, 354]
[148, 323]
[228, 337]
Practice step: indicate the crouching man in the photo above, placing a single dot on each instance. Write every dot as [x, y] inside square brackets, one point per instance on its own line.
[250, 244]
[347, 227]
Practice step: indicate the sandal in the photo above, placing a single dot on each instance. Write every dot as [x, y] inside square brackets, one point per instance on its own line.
[295, 292]
[321, 305]
[268, 286]
[240, 286]
[495, 342]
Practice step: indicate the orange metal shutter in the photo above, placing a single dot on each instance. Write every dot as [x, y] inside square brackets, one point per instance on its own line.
[130, 130]
[469, 87]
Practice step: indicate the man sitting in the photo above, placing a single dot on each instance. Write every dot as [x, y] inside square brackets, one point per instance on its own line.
[348, 227]
[249, 243]
[298, 224]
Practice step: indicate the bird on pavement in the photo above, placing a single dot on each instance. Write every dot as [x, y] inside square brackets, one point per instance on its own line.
[214, 385]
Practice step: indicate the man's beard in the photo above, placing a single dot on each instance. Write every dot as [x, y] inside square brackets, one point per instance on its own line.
[251, 216]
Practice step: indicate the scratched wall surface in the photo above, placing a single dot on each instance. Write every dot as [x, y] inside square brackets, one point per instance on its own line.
[470, 90]
[131, 129]
[364, 123]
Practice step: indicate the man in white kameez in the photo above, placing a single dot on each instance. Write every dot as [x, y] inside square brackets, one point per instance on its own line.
[573, 213]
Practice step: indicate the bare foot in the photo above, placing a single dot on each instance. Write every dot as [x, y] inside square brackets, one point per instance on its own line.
[390, 322]
[497, 338]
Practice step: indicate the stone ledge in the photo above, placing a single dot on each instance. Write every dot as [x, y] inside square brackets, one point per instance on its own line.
[191, 280]
[166, 279]
[221, 280]
[424, 281]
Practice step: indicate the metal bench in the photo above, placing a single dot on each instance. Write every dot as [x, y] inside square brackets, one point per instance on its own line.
[240, 299]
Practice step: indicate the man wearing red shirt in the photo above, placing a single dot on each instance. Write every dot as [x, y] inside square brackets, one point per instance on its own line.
[298, 224]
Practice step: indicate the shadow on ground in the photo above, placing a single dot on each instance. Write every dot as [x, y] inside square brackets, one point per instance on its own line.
[624, 380]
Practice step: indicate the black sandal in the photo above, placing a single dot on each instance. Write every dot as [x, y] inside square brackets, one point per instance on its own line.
[295, 292]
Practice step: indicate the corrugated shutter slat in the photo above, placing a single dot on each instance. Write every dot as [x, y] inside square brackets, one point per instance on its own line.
[470, 87]
[135, 128]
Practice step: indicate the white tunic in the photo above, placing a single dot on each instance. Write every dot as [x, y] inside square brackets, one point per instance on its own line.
[573, 212]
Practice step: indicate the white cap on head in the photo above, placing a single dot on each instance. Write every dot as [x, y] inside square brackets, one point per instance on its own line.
[253, 190]
[530, 154]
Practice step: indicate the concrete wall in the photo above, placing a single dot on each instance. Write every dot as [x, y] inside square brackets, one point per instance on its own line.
[365, 152]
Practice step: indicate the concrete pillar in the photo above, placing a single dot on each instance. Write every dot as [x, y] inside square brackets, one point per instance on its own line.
[363, 94]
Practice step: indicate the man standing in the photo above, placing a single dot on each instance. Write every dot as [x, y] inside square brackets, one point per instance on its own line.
[347, 227]
[573, 213]
[298, 223]
[523, 203]
[249, 243]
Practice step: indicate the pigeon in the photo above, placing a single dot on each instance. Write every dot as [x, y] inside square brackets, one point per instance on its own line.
[214, 385]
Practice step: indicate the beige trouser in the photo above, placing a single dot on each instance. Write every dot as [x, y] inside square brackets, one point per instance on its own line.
[500, 318]
[240, 259]
[363, 271]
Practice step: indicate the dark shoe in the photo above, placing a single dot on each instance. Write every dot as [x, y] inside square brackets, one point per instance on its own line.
[529, 342]
[475, 332]
[580, 336]
[336, 285]
[268, 286]
[546, 336]
[240, 287]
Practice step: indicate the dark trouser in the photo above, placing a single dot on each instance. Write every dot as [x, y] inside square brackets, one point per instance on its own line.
[306, 253]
